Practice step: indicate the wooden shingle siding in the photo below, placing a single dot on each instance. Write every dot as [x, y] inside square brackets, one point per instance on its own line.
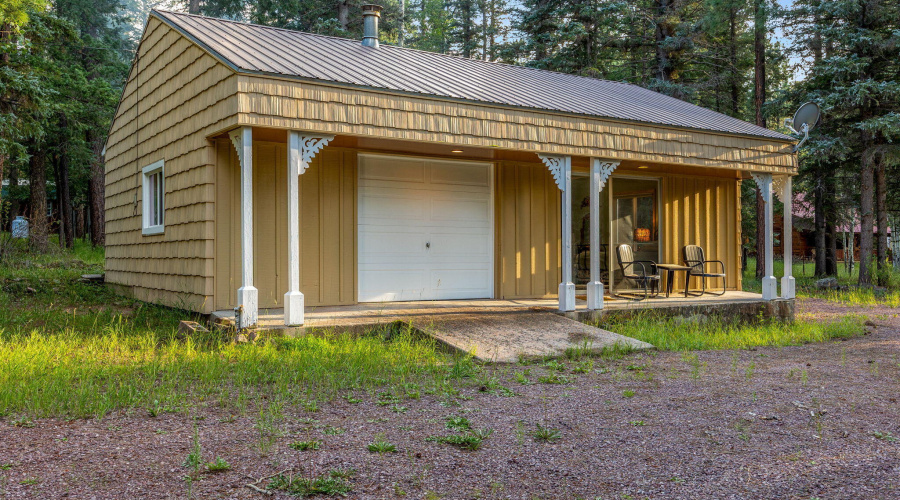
[327, 226]
[176, 96]
[271, 102]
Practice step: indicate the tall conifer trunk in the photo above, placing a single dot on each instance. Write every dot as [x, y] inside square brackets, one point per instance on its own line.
[866, 209]
[97, 192]
[39, 230]
[882, 218]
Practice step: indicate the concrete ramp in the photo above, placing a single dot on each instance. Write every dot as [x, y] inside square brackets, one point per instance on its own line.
[503, 338]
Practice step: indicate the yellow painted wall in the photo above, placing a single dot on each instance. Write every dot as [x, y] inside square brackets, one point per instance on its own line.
[327, 226]
[175, 97]
[703, 211]
[696, 209]
[528, 235]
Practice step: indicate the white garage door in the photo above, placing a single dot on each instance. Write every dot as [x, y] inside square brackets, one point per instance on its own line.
[425, 229]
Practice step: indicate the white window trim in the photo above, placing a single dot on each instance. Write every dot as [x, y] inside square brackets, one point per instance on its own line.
[146, 213]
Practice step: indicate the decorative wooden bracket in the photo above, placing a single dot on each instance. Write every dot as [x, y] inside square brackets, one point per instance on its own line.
[764, 181]
[778, 182]
[310, 145]
[606, 169]
[238, 143]
[556, 164]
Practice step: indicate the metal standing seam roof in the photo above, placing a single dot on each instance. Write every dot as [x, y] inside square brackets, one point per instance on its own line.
[295, 54]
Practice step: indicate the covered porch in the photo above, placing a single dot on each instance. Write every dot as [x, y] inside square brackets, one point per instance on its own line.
[378, 229]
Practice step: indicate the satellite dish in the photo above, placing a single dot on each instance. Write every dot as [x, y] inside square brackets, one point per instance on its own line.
[805, 119]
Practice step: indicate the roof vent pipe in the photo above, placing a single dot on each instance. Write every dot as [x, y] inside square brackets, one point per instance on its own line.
[371, 13]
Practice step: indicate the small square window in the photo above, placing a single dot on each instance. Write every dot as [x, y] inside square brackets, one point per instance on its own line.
[154, 198]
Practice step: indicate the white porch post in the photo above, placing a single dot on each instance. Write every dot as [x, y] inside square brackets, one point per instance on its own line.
[561, 168]
[247, 295]
[301, 150]
[600, 172]
[784, 189]
[769, 283]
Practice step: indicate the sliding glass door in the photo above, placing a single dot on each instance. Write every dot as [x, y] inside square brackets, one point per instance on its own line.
[635, 222]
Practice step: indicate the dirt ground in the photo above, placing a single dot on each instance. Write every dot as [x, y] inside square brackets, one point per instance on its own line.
[813, 421]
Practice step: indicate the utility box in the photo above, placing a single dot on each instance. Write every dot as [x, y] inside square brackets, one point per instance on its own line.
[20, 227]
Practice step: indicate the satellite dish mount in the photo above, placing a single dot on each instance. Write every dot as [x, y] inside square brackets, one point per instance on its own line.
[805, 119]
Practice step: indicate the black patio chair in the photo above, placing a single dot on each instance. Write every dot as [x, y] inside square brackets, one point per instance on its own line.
[695, 258]
[643, 273]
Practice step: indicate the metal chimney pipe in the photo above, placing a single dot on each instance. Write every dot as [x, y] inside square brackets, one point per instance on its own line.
[371, 13]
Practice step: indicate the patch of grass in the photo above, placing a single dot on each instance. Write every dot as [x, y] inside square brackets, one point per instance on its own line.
[470, 440]
[332, 431]
[459, 423]
[556, 365]
[380, 446]
[553, 378]
[333, 483]
[884, 436]
[218, 465]
[669, 334]
[310, 445]
[195, 457]
[584, 366]
[627, 393]
[73, 349]
[545, 434]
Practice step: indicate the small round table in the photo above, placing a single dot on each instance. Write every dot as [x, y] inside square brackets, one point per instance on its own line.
[671, 269]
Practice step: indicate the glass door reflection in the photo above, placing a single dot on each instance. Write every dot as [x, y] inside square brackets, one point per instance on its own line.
[635, 223]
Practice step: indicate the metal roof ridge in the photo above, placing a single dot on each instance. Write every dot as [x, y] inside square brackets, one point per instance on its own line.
[407, 49]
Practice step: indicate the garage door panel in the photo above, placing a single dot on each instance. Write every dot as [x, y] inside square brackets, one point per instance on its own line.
[402, 205]
[460, 283]
[406, 170]
[424, 240]
[392, 284]
[450, 245]
[459, 174]
[386, 247]
[472, 211]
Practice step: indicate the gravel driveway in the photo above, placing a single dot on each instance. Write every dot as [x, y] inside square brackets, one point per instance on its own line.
[813, 421]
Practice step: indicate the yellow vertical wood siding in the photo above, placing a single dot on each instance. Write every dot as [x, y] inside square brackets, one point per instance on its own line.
[327, 226]
[528, 219]
[175, 97]
[703, 211]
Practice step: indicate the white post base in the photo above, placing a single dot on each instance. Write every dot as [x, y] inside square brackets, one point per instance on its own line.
[769, 288]
[293, 309]
[566, 297]
[248, 300]
[595, 295]
[788, 287]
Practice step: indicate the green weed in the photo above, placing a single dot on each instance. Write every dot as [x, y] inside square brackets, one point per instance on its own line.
[310, 445]
[330, 484]
[380, 446]
[545, 434]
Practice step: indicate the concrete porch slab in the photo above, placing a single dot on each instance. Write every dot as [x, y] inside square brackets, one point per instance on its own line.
[504, 338]
[501, 330]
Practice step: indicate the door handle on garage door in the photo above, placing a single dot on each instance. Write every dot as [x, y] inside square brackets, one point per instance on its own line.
[427, 244]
